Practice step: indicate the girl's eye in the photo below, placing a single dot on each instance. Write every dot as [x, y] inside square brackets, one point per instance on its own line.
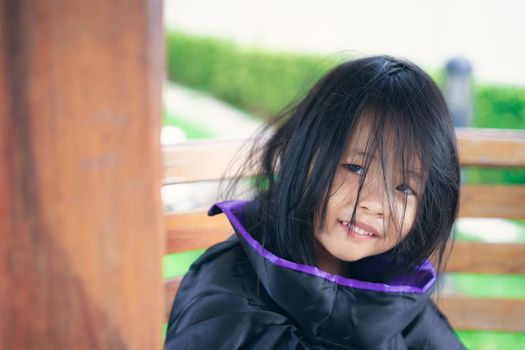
[405, 189]
[357, 169]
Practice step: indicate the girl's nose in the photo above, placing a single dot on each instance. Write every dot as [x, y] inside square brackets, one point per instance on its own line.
[372, 207]
[372, 198]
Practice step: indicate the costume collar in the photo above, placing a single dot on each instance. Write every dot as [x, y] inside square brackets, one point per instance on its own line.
[332, 306]
[419, 281]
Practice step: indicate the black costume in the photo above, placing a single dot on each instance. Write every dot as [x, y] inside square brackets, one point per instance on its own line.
[239, 295]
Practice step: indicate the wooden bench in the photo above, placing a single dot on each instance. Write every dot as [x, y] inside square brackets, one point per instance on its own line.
[204, 161]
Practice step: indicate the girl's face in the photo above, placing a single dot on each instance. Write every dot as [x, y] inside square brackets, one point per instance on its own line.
[379, 225]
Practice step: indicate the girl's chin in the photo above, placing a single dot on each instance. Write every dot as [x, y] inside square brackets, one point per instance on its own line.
[349, 254]
[353, 258]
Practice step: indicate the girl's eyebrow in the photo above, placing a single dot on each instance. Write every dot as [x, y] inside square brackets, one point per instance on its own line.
[415, 173]
[360, 153]
[366, 154]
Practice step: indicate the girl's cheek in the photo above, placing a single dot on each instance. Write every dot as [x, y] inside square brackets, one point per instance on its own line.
[341, 181]
[404, 213]
[410, 214]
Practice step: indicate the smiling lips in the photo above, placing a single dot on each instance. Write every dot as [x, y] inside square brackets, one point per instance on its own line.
[359, 230]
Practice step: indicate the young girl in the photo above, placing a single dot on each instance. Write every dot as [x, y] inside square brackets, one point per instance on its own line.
[357, 187]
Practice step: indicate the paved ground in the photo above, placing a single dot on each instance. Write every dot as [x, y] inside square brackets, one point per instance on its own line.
[219, 118]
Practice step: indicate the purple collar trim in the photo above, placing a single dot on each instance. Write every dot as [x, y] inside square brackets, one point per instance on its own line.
[229, 207]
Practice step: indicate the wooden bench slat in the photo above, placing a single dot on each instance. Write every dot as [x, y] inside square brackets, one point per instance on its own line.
[493, 201]
[171, 286]
[490, 314]
[495, 258]
[463, 312]
[491, 147]
[200, 160]
[195, 230]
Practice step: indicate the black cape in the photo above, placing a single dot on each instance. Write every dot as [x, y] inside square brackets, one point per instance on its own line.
[238, 295]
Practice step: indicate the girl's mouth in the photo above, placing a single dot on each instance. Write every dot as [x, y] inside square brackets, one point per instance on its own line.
[358, 232]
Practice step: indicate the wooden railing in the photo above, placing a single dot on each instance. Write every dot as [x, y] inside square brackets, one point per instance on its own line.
[198, 161]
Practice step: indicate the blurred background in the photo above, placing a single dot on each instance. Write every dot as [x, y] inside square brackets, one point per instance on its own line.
[233, 64]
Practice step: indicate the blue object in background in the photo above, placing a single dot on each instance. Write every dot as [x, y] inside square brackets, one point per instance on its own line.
[458, 91]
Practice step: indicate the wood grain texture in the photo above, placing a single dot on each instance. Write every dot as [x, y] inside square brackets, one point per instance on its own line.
[195, 230]
[171, 286]
[491, 147]
[482, 257]
[202, 160]
[492, 201]
[80, 212]
[494, 314]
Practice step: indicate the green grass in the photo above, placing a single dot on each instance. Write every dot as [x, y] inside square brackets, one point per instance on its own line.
[476, 175]
[164, 329]
[477, 340]
[178, 264]
[191, 130]
[488, 285]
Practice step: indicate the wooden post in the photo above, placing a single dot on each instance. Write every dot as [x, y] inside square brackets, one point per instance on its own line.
[81, 238]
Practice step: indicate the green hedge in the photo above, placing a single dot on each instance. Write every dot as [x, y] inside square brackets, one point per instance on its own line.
[499, 106]
[258, 82]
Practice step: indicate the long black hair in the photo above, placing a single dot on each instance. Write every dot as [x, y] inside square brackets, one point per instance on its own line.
[295, 167]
